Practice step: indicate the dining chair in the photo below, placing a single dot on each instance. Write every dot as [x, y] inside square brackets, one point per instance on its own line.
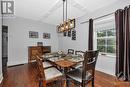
[36, 53]
[80, 54]
[82, 76]
[70, 51]
[48, 75]
[32, 51]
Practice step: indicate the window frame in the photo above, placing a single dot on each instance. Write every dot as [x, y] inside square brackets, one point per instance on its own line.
[106, 38]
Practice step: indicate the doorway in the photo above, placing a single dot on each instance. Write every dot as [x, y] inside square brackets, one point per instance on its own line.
[4, 49]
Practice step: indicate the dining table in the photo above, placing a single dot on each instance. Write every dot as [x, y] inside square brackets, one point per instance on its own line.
[64, 62]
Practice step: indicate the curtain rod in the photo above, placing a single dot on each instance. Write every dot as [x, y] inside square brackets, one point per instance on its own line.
[98, 17]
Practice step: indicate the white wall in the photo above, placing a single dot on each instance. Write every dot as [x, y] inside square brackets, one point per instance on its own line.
[104, 64]
[19, 40]
[0, 45]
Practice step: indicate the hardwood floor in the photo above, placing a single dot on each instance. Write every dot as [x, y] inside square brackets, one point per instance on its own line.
[26, 76]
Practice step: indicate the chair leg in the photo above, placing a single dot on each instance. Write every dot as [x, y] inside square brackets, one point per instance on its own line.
[93, 82]
[83, 84]
[67, 83]
[40, 83]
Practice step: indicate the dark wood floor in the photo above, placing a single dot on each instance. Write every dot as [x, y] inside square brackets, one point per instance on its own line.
[26, 76]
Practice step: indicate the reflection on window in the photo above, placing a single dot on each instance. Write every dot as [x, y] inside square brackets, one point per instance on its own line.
[106, 41]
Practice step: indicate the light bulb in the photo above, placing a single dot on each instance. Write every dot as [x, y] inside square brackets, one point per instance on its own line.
[67, 26]
[71, 24]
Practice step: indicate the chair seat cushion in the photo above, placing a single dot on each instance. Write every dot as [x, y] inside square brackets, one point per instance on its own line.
[76, 75]
[52, 73]
[47, 64]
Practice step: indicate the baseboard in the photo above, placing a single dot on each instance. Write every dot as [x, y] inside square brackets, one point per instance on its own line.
[105, 71]
[16, 63]
[1, 79]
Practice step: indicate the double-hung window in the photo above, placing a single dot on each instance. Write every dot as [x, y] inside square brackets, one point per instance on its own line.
[106, 37]
[106, 41]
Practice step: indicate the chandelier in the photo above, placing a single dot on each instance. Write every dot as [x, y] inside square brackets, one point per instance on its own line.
[67, 24]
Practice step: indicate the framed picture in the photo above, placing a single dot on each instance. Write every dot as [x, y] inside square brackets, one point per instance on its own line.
[65, 33]
[33, 34]
[69, 33]
[74, 35]
[46, 35]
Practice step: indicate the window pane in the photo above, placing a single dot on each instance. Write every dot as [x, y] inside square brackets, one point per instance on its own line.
[111, 41]
[111, 32]
[106, 41]
[101, 42]
[101, 48]
[101, 33]
[111, 49]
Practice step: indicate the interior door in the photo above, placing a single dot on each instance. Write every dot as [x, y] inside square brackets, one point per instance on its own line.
[4, 48]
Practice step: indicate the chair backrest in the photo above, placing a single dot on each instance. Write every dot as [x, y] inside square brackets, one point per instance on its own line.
[40, 67]
[33, 51]
[70, 51]
[90, 59]
[79, 53]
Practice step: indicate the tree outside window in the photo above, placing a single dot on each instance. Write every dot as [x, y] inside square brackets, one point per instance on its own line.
[106, 41]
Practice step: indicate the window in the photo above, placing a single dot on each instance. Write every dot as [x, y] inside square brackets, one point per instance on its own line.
[106, 41]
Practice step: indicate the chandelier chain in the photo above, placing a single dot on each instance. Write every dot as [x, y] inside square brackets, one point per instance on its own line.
[66, 10]
[63, 10]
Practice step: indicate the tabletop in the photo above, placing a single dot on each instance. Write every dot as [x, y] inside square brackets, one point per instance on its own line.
[65, 61]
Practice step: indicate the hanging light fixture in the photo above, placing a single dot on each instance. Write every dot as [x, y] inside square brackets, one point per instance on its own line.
[67, 24]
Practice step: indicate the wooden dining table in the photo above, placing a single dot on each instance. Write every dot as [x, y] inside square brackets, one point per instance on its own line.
[65, 61]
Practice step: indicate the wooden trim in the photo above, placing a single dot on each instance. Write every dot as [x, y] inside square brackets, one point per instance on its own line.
[15, 65]
[1, 79]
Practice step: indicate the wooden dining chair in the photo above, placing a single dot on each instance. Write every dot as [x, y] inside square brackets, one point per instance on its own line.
[48, 75]
[70, 51]
[79, 53]
[32, 51]
[36, 53]
[84, 75]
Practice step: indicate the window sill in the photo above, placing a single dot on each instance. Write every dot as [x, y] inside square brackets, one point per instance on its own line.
[108, 55]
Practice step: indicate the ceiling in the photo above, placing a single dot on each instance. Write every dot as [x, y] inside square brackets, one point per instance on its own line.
[50, 11]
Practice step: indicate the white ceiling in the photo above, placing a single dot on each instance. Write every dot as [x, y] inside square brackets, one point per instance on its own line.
[50, 11]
